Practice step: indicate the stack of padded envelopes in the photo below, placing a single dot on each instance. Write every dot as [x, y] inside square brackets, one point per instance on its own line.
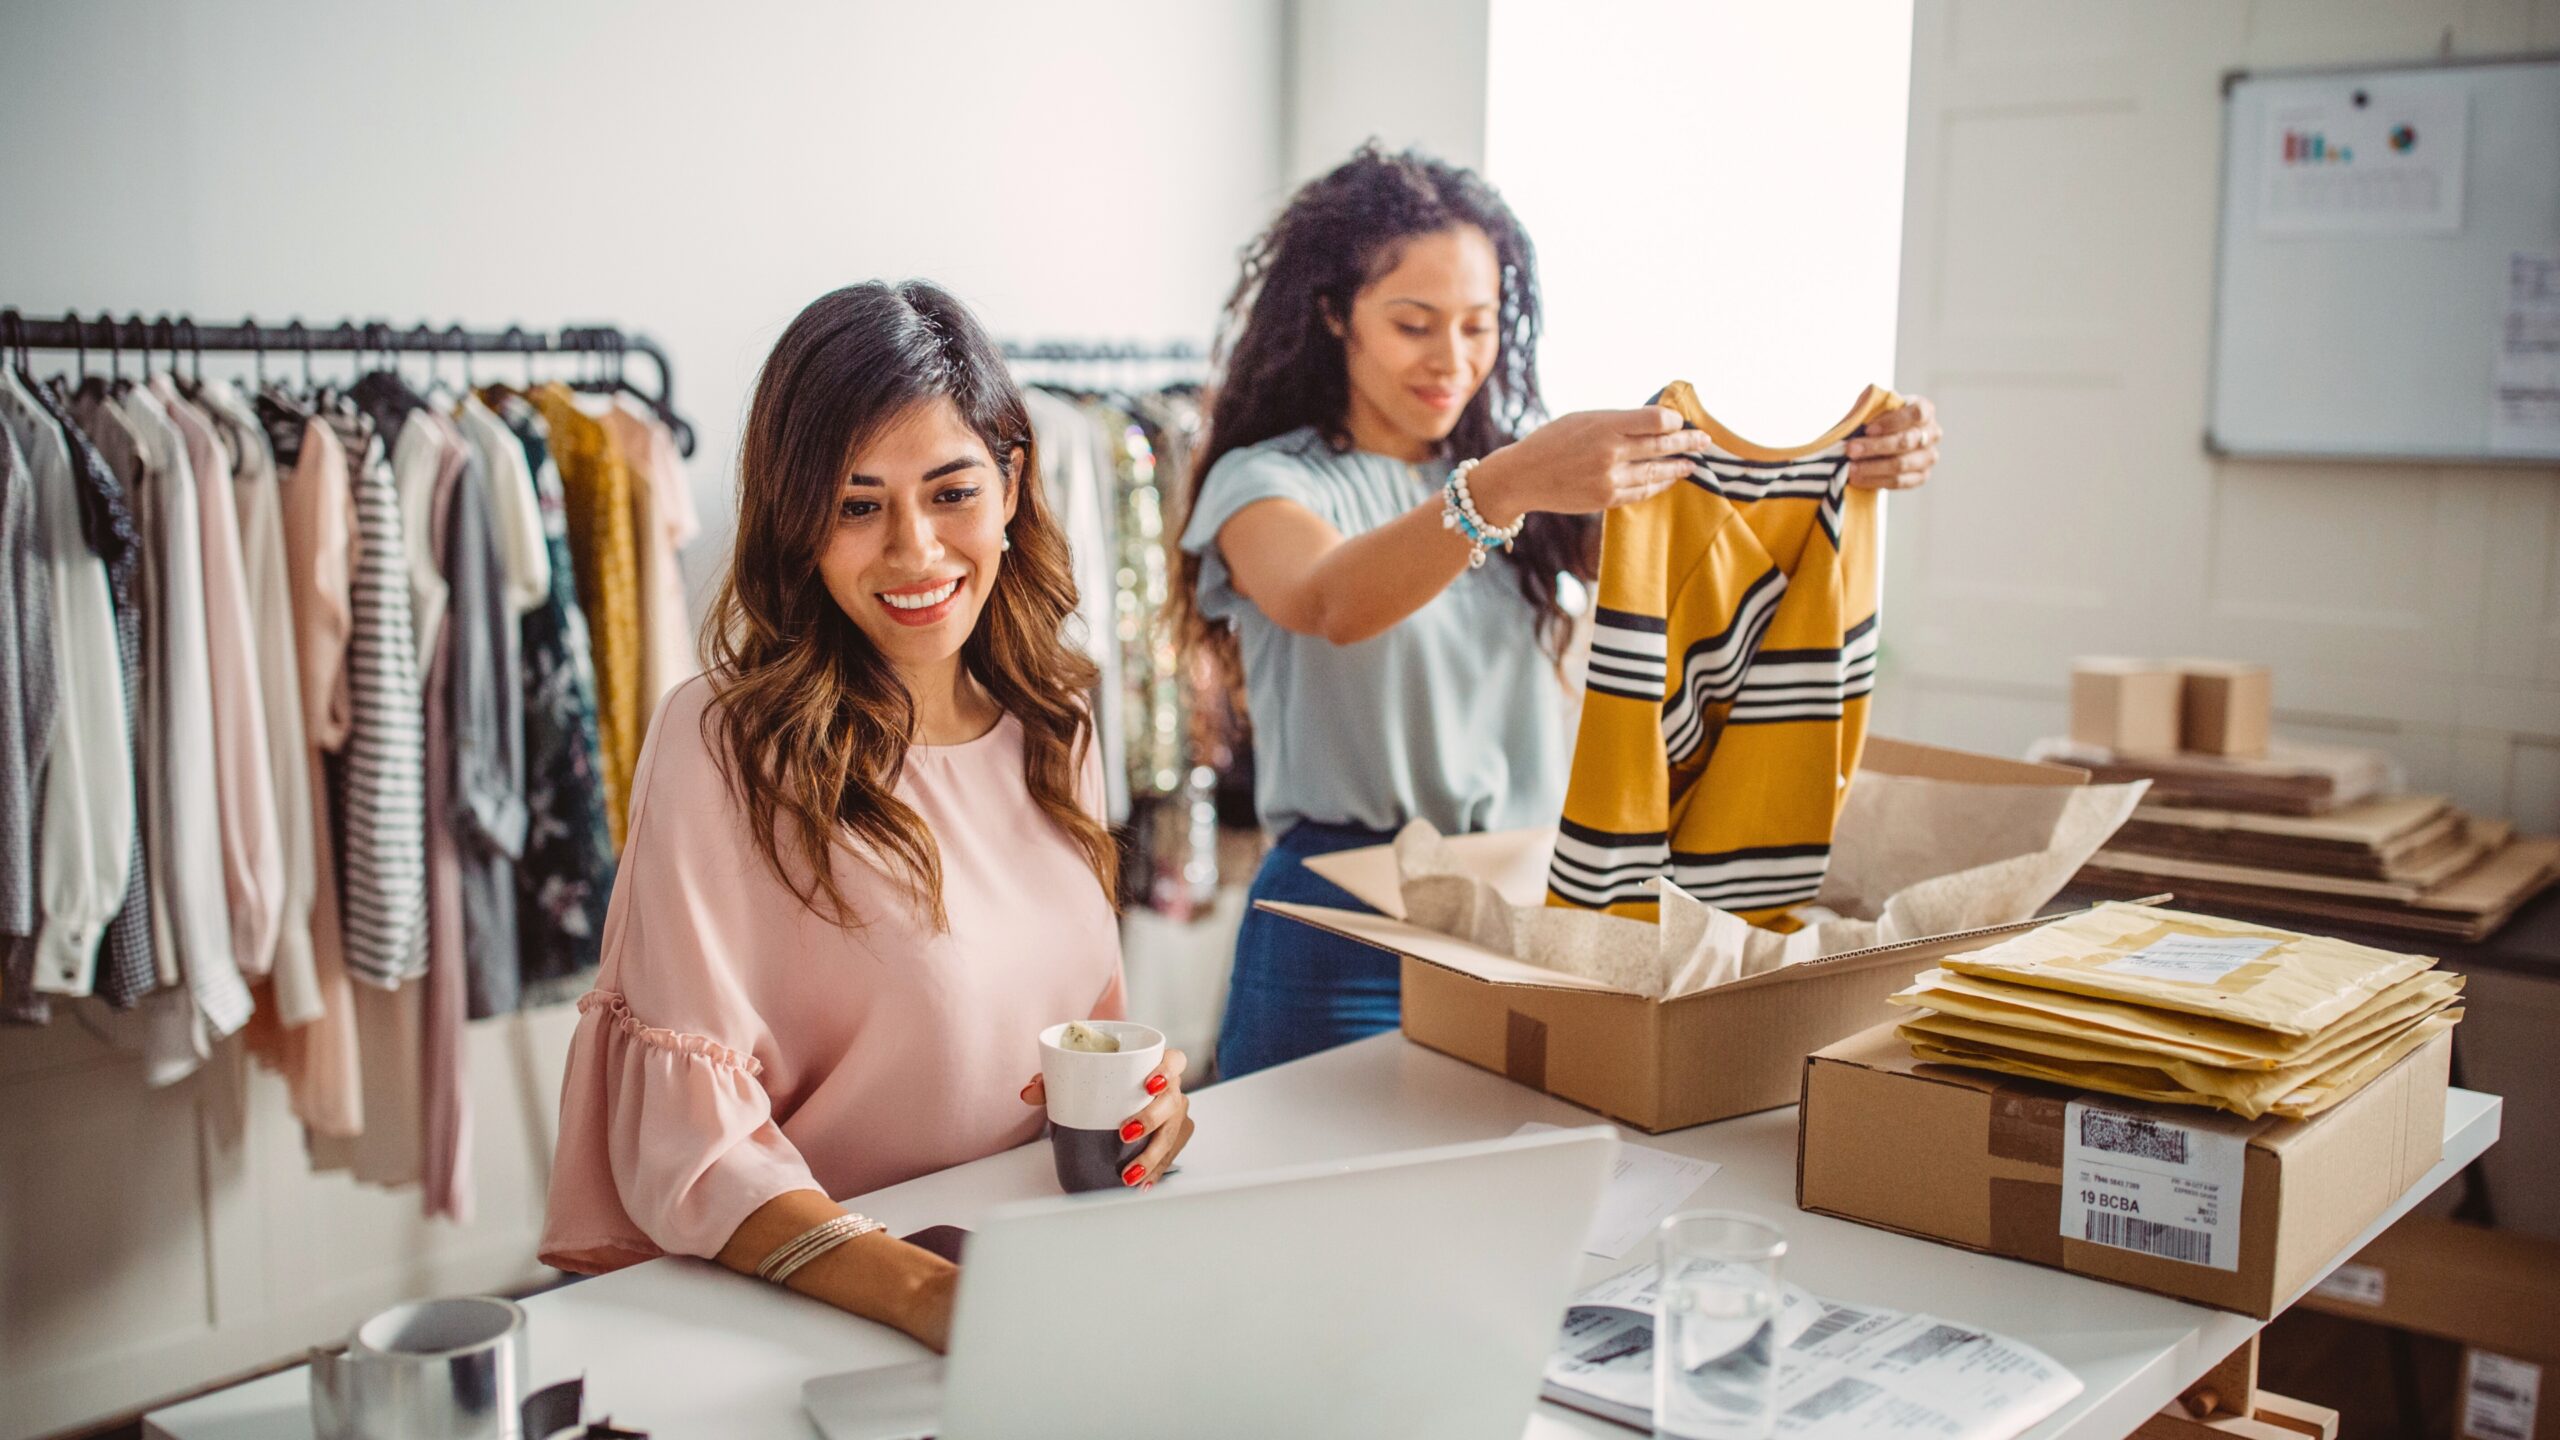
[2182, 1009]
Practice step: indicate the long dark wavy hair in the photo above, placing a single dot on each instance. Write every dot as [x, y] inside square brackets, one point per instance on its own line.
[1280, 365]
[810, 723]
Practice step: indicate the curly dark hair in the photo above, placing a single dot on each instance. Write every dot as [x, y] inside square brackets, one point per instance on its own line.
[1280, 366]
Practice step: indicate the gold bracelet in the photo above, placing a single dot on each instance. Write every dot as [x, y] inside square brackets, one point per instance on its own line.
[809, 1244]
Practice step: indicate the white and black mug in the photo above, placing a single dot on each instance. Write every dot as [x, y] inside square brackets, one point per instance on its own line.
[1091, 1095]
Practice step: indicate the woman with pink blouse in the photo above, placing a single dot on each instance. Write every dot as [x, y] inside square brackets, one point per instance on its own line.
[865, 863]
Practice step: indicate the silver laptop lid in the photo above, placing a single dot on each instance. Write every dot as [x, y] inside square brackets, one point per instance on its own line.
[1412, 1295]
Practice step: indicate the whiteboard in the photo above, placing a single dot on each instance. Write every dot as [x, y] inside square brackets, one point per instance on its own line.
[2381, 228]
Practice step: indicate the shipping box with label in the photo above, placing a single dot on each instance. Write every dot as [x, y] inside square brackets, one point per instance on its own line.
[2237, 1214]
[2498, 1290]
[1654, 1064]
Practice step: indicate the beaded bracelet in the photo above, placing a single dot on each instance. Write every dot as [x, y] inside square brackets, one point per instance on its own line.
[1458, 512]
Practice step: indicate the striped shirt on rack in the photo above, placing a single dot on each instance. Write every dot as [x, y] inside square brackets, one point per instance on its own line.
[383, 767]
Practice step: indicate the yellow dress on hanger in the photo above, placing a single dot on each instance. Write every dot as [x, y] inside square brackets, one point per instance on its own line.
[604, 548]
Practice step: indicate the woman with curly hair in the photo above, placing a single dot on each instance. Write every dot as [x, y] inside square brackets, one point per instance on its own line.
[1384, 333]
[865, 864]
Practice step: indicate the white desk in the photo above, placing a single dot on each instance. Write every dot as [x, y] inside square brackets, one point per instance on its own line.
[682, 1348]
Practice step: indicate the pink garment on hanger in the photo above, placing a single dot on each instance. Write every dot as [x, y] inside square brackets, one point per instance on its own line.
[252, 848]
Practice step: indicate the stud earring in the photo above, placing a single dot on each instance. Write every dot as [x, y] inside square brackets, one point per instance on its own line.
[1008, 542]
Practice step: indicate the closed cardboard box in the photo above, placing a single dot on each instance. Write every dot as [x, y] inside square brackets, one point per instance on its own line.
[1653, 1064]
[2236, 1214]
[2225, 707]
[2127, 706]
[2495, 1289]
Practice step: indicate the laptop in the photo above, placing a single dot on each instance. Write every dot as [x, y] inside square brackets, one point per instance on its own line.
[1413, 1295]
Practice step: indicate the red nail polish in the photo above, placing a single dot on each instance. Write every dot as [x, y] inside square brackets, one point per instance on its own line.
[1156, 1084]
[1132, 1131]
[1133, 1174]
[1150, 1185]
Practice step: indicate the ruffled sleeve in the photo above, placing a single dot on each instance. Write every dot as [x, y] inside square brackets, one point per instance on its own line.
[667, 1135]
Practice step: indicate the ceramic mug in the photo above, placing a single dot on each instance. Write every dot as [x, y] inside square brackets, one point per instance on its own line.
[1092, 1095]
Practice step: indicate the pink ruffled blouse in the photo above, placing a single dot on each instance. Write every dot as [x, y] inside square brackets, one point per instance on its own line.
[738, 1047]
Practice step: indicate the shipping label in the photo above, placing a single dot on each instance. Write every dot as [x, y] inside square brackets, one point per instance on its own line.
[2499, 1396]
[2195, 959]
[2137, 1181]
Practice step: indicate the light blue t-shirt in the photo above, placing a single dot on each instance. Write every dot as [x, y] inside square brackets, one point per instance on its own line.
[1453, 716]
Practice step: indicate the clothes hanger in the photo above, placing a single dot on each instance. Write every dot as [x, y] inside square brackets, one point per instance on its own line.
[302, 339]
[461, 339]
[17, 344]
[115, 354]
[79, 345]
[257, 349]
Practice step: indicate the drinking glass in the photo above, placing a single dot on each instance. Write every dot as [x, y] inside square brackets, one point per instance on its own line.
[1715, 1360]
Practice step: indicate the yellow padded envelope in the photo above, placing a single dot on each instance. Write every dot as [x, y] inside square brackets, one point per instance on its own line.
[2207, 1077]
[2169, 1033]
[2294, 1093]
[2253, 975]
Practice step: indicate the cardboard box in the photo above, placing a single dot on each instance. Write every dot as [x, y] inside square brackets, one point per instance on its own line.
[2128, 706]
[2225, 707]
[1977, 1160]
[1654, 1064]
[2495, 1289]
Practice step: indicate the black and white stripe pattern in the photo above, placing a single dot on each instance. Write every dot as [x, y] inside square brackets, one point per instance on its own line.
[1712, 670]
[1596, 869]
[1753, 878]
[385, 758]
[1821, 476]
[1627, 655]
[1807, 684]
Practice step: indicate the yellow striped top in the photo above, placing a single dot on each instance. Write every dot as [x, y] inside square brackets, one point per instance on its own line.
[1732, 655]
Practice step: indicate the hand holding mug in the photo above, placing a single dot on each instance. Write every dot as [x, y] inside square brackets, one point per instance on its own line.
[1114, 1117]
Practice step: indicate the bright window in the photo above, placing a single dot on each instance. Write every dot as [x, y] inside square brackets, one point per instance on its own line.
[1715, 191]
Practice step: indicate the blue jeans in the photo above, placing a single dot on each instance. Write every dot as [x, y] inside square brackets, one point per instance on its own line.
[1297, 990]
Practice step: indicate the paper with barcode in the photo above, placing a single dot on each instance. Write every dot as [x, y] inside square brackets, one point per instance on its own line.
[2136, 1179]
[2499, 1397]
[1843, 1370]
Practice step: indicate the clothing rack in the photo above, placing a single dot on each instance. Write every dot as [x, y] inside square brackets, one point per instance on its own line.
[605, 346]
[1083, 352]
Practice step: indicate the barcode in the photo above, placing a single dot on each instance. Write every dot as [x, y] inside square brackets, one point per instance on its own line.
[2171, 1242]
[1840, 1318]
[1841, 1394]
[2488, 1425]
[1934, 1341]
[2132, 1135]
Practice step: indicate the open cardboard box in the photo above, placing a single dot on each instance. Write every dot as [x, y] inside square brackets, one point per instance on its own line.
[1654, 1064]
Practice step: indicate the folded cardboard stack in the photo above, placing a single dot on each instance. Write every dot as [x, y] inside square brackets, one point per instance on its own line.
[2185, 1009]
[2281, 828]
[2290, 777]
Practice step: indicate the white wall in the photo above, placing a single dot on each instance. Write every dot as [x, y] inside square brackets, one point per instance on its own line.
[2057, 295]
[1715, 192]
[1407, 73]
[694, 171]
